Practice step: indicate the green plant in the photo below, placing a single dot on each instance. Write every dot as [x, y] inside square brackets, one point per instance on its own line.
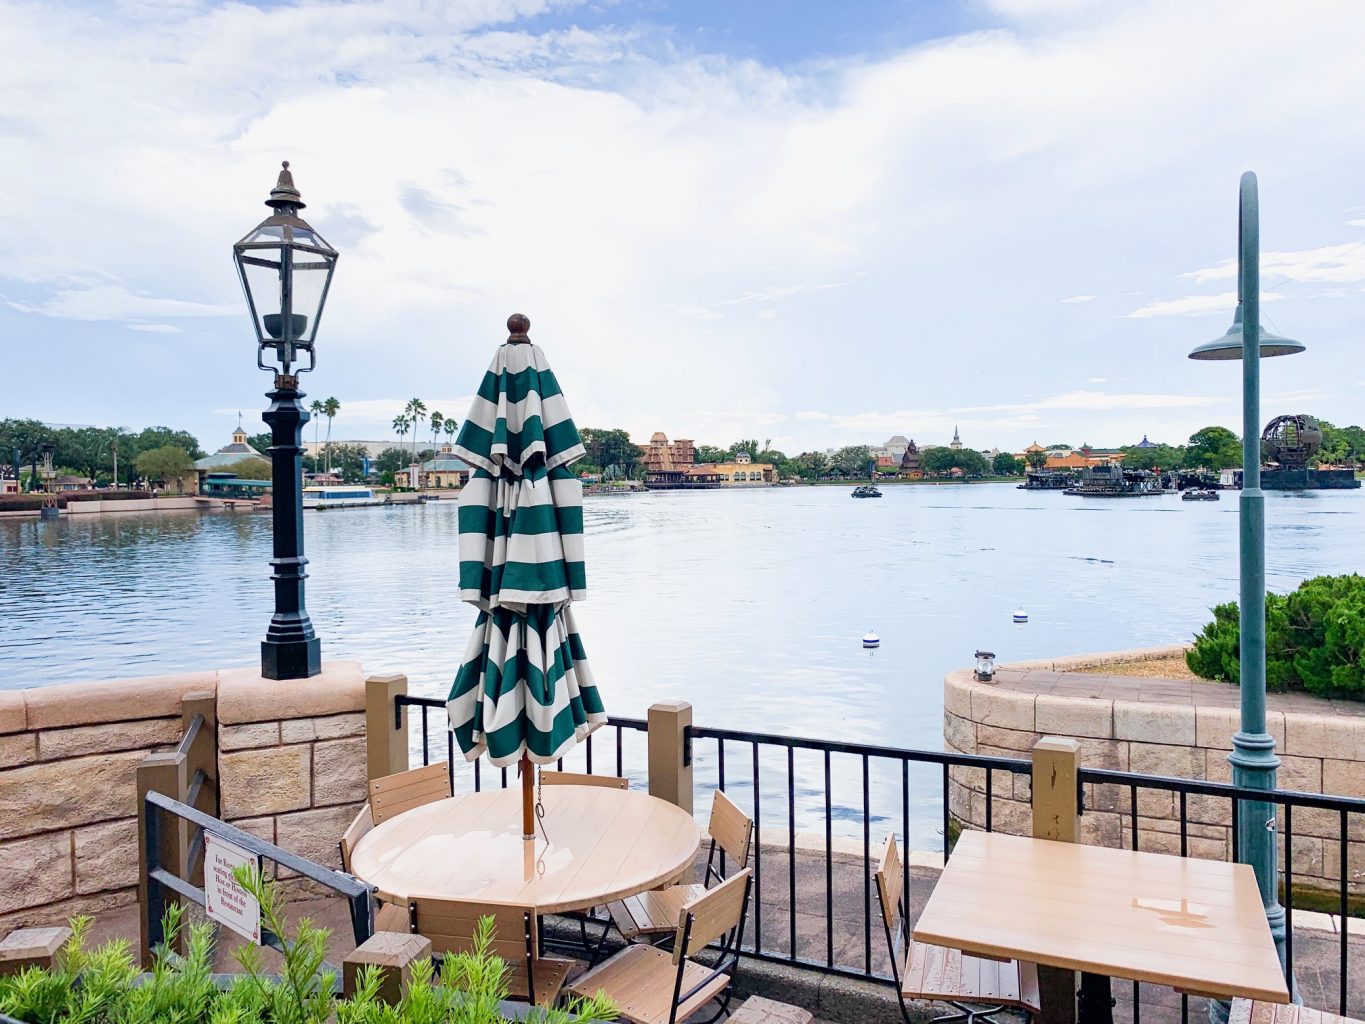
[103, 986]
[1315, 640]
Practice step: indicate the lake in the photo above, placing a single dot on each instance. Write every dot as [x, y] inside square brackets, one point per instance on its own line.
[751, 604]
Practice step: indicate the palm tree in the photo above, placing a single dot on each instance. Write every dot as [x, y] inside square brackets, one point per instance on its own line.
[416, 412]
[451, 426]
[401, 425]
[316, 410]
[329, 409]
[436, 420]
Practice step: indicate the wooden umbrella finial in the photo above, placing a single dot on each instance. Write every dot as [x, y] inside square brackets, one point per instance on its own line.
[518, 324]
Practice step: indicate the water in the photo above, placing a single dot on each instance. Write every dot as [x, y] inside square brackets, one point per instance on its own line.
[751, 604]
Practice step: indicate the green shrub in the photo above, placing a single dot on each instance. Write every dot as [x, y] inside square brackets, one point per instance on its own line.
[104, 986]
[1315, 640]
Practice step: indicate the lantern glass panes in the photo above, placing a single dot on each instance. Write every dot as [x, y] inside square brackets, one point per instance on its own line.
[285, 264]
[985, 665]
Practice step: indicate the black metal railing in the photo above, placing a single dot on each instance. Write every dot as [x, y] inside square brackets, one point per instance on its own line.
[796, 782]
[162, 878]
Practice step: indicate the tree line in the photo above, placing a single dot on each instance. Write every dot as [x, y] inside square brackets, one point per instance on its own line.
[92, 452]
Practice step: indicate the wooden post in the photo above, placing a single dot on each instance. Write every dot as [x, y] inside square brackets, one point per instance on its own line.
[31, 947]
[670, 752]
[393, 953]
[1056, 816]
[386, 736]
[528, 798]
[165, 774]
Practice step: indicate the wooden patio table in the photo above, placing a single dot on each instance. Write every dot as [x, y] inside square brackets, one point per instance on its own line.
[604, 844]
[1196, 925]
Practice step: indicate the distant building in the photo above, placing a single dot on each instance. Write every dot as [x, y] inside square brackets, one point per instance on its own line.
[910, 463]
[229, 453]
[373, 449]
[1144, 443]
[445, 470]
[665, 456]
[744, 472]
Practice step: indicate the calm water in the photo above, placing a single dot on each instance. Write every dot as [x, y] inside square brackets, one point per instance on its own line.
[750, 604]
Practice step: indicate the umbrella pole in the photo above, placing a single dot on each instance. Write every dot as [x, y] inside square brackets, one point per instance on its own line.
[528, 826]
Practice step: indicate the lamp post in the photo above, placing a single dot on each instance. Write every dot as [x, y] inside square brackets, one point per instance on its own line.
[286, 268]
[1253, 757]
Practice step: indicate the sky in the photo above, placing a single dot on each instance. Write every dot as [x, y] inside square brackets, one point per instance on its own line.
[811, 222]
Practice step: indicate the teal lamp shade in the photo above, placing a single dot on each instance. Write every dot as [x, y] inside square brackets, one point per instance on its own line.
[1229, 345]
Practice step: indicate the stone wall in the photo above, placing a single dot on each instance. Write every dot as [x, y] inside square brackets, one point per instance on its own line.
[292, 769]
[1318, 753]
[164, 503]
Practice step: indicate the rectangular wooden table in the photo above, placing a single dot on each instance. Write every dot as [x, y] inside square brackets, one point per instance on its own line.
[1195, 925]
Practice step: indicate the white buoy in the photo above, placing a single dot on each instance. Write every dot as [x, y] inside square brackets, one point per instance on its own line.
[870, 640]
[1020, 615]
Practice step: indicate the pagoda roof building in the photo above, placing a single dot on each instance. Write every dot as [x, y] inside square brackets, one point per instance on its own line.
[230, 453]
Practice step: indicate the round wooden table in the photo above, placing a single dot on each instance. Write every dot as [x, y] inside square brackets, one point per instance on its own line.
[604, 845]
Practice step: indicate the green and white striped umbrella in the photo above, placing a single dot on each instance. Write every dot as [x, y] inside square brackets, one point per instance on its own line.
[524, 686]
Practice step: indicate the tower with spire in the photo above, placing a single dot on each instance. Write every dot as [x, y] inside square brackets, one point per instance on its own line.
[956, 443]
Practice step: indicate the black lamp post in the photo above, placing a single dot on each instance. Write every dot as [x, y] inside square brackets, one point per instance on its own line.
[286, 268]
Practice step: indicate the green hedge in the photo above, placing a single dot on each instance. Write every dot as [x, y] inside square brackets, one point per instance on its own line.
[1315, 640]
[26, 502]
[108, 495]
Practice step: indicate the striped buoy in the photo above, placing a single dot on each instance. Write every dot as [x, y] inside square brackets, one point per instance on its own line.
[870, 640]
[1020, 615]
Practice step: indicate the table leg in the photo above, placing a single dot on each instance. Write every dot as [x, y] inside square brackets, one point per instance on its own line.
[1097, 1000]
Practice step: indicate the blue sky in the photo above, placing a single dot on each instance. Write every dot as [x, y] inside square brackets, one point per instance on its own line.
[818, 223]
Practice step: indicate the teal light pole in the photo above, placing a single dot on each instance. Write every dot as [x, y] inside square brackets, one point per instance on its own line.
[1253, 749]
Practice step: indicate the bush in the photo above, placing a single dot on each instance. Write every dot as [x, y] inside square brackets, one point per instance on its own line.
[108, 495]
[26, 502]
[103, 985]
[1315, 640]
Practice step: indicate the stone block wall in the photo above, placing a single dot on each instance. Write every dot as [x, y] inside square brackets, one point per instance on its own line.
[1318, 753]
[292, 769]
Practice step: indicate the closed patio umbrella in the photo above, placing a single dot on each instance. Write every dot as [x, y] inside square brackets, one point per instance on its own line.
[524, 692]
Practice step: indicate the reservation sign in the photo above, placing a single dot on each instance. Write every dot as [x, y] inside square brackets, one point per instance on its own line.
[224, 900]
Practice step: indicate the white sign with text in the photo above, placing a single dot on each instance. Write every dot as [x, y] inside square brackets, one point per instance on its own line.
[224, 900]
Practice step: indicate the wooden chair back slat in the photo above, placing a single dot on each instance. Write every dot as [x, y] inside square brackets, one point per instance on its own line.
[550, 778]
[713, 914]
[355, 831]
[450, 925]
[890, 882]
[731, 828]
[394, 794]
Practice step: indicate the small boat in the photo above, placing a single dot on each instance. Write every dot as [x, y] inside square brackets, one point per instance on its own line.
[338, 496]
[1199, 494]
[866, 491]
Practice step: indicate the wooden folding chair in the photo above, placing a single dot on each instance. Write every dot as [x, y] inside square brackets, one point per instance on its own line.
[355, 831]
[974, 986]
[394, 794]
[549, 778]
[553, 778]
[653, 986]
[655, 913]
[450, 925]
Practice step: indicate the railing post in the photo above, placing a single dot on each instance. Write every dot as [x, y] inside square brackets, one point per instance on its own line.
[165, 774]
[202, 756]
[31, 947]
[670, 752]
[393, 953]
[1056, 816]
[386, 734]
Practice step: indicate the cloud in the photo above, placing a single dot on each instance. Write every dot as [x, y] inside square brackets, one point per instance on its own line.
[1077, 299]
[775, 293]
[115, 302]
[1098, 380]
[629, 189]
[155, 328]
[1192, 305]
[1333, 264]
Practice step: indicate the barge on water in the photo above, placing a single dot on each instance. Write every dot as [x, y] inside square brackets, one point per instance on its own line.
[1113, 481]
